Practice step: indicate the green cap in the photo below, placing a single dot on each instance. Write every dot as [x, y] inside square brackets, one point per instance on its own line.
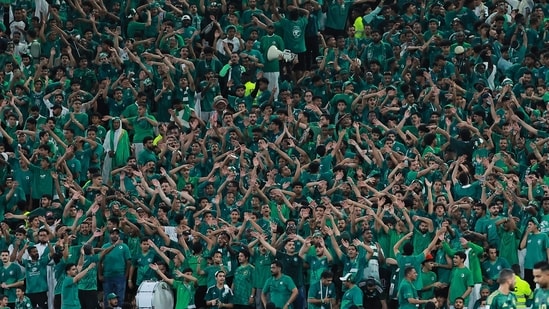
[112, 296]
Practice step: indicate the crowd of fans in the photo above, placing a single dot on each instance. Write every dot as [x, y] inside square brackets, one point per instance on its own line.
[275, 154]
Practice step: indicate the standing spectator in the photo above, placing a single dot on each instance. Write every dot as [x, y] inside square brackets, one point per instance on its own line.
[70, 285]
[219, 295]
[114, 267]
[353, 296]
[322, 295]
[504, 297]
[407, 293]
[461, 279]
[242, 286]
[537, 249]
[281, 288]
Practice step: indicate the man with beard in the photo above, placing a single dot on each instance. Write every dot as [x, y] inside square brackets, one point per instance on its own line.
[114, 267]
[322, 295]
[292, 265]
[504, 297]
[10, 276]
[244, 292]
[36, 274]
[541, 277]
[281, 288]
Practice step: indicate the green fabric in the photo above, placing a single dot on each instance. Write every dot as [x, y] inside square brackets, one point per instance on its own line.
[69, 297]
[141, 262]
[224, 295]
[280, 290]
[184, 293]
[89, 281]
[460, 280]
[406, 291]
[319, 291]
[536, 249]
[11, 274]
[243, 284]
[541, 299]
[352, 297]
[36, 273]
[114, 262]
[499, 300]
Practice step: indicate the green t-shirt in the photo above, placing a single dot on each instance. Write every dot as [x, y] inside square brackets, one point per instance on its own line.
[405, 291]
[541, 299]
[141, 127]
[491, 270]
[279, 290]
[9, 275]
[428, 278]
[415, 261]
[536, 249]
[184, 293]
[42, 182]
[224, 295]
[499, 300]
[319, 291]
[114, 263]
[36, 274]
[294, 33]
[89, 281]
[141, 262]
[69, 297]
[316, 267]
[243, 284]
[460, 280]
[292, 265]
[262, 271]
[352, 297]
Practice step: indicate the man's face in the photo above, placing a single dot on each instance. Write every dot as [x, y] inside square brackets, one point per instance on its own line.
[115, 237]
[275, 270]
[458, 304]
[541, 278]
[290, 247]
[5, 256]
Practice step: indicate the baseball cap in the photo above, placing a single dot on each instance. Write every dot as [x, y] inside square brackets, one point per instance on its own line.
[347, 277]
[112, 296]
[459, 50]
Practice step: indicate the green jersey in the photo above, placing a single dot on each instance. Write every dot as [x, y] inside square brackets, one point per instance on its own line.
[11, 274]
[262, 271]
[405, 291]
[498, 300]
[294, 33]
[428, 278]
[23, 303]
[89, 281]
[224, 295]
[42, 182]
[69, 297]
[36, 273]
[353, 297]
[460, 279]
[292, 265]
[184, 293]
[541, 299]
[279, 290]
[243, 284]
[491, 269]
[536, 249]
[114, 263]
[318, 291]
[316, 267]
[192, 261]
[141, 262]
